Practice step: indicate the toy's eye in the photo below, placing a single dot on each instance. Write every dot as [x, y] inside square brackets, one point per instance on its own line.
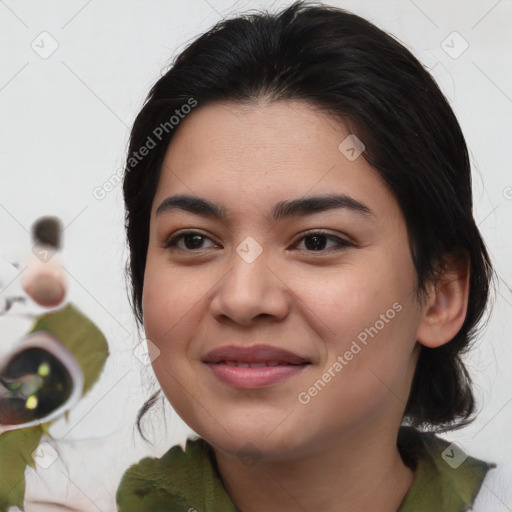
[32, 385]
[39, 381]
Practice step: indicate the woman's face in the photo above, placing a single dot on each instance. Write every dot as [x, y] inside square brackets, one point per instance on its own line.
[332, 283]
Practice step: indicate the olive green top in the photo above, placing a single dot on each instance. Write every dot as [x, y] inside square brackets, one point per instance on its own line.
[188, 481]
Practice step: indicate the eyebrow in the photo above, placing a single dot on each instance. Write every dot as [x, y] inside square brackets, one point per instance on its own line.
[284, 209]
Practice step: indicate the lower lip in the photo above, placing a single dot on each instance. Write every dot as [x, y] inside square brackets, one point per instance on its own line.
[250, 378]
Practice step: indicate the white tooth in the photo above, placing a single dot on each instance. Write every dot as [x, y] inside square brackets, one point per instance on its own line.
[272, 363]
[243, 365]
[258, 365]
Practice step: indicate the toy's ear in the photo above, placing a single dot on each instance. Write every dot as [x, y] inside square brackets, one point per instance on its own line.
[447, 301]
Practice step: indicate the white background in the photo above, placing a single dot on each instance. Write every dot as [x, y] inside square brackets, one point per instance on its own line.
[64, 125]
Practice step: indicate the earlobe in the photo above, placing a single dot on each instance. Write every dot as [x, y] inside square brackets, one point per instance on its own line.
[446, 306]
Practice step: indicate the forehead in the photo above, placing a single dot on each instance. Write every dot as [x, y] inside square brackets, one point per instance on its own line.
[269, 151]
[278, 134]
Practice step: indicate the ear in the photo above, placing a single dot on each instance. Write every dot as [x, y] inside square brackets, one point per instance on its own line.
[447, 300]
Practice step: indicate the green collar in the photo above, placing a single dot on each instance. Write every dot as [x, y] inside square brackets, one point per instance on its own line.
[445, 479]
[189, 481]
[178, 481]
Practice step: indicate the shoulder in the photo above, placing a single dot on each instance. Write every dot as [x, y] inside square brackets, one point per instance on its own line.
[176, 481]
[446, 478]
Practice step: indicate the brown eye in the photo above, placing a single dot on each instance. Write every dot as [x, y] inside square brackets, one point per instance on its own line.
[192, 241]
[316, 242]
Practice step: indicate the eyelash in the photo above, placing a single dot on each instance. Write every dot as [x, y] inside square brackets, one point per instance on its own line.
[172, 241]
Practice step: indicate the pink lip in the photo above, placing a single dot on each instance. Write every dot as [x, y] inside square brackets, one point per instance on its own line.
[223, 362]
[254, 354]
[250, 378]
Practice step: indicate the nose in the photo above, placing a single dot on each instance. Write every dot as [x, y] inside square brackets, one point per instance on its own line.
[250, 290]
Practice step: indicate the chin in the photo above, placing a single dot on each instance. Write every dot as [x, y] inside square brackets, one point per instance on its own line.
[254, 443]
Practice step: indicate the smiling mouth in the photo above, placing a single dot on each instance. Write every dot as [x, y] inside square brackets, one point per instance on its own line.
[252, 367]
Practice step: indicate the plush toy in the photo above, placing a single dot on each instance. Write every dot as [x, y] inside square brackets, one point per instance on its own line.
[44, 374]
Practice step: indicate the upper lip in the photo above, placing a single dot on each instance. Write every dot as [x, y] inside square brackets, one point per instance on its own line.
[254, 354]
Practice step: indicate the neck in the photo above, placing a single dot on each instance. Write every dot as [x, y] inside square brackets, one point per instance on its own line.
[358, 473]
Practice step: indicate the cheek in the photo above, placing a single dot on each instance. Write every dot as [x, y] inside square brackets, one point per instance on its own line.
[166, 302]
[354, 297]
[373, 316]
[174, 305]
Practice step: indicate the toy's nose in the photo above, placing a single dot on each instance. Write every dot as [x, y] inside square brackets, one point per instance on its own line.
[43, 278]
[46, 285]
